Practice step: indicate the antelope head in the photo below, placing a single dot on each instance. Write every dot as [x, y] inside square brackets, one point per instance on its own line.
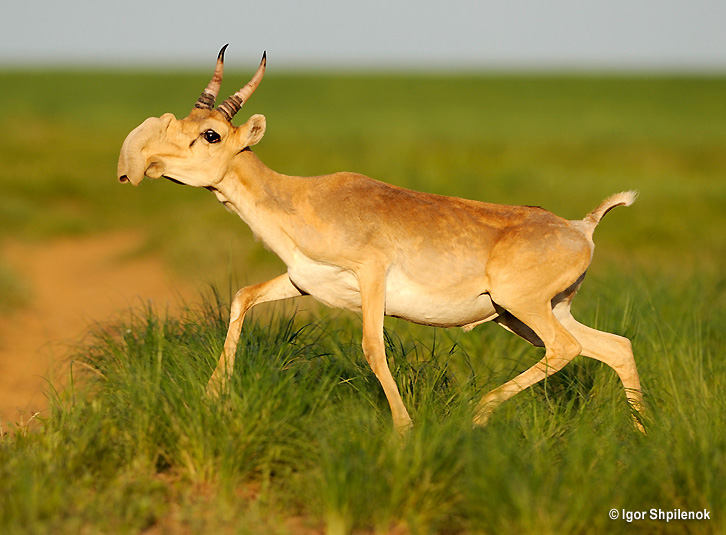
[198, 149]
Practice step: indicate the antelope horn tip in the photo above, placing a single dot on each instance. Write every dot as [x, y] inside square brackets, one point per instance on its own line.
[232, 105]
[209, 95]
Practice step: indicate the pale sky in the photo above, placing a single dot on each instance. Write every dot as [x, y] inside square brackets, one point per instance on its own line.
[468, 34]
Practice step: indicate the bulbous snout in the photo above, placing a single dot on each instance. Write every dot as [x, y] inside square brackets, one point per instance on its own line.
[132, 162]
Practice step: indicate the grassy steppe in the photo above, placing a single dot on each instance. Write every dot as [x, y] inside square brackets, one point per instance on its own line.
[304, 441]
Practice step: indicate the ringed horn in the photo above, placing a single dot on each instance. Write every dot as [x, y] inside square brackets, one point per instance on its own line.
[232, 105]
[209, 95]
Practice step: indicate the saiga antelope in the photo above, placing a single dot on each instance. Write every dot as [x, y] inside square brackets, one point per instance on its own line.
[356, 243]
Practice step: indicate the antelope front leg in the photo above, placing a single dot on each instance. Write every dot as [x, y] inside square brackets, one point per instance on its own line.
[249, 296]
[373, 296]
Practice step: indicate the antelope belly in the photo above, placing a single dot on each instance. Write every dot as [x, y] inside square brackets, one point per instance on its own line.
[432, 304]
[331, 285]
[425, 302]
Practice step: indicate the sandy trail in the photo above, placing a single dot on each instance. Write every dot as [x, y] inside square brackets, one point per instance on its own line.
[75, 282]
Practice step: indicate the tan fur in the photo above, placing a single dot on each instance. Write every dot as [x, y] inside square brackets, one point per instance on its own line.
[356, 243]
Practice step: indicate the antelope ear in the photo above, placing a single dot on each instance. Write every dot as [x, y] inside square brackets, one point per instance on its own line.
[252, 131]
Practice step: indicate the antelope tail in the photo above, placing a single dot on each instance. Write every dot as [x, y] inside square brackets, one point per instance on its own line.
[625, 198]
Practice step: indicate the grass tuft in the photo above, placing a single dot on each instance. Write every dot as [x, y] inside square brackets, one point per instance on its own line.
[304, 437]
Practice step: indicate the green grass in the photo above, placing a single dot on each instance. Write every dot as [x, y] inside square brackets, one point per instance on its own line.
[304, 439]
[305, 434]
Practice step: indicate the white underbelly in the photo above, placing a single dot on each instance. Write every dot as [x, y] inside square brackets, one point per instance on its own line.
[331, 285]
[441, 303]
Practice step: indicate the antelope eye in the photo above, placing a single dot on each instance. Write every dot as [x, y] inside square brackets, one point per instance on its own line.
[210, 136]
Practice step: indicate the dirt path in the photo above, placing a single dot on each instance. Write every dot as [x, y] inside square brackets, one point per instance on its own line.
[74, 282]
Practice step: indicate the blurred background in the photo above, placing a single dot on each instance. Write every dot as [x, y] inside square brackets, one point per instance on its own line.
[324, 34]
[556, 104]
